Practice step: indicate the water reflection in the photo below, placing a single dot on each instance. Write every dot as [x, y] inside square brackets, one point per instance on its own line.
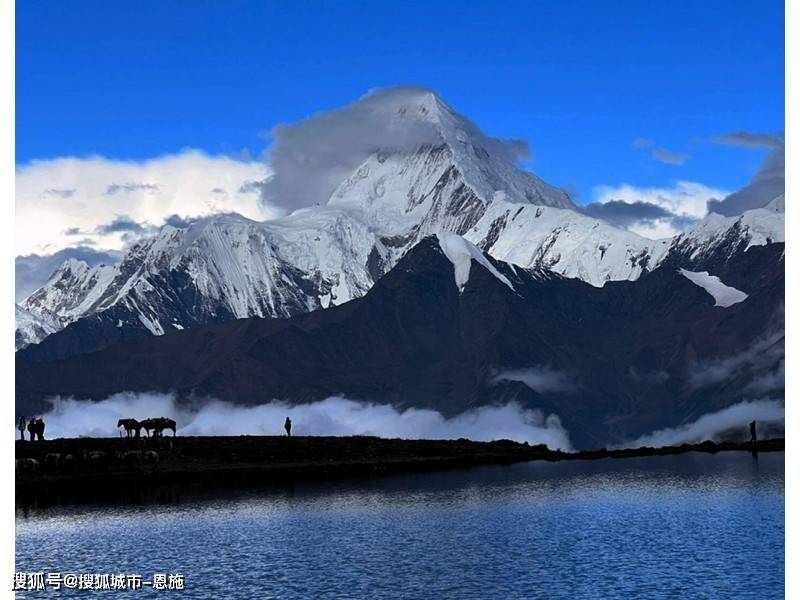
[692, 525]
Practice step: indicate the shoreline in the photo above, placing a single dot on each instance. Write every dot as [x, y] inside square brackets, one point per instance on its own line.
[117, 468]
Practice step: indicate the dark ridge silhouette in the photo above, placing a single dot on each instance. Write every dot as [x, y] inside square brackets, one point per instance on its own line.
[91, 469]
[416, 340]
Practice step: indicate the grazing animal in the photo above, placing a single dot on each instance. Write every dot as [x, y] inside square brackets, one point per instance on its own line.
[26, 465]
[158, 425]
[148, 425]
[132, 427]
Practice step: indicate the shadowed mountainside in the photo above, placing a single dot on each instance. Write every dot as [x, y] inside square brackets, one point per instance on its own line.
[627, 349]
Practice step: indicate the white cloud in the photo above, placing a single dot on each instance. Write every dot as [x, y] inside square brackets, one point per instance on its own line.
[55, 198]
[670, 158]
[332, 416]
[685, 202]
[312, 157]
[684, 198]
[541, 379]
[710, 426]
[762, 362]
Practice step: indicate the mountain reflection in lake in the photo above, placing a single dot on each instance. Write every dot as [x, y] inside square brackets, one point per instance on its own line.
[684, 526]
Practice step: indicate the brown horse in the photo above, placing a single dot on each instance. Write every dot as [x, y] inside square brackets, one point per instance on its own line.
[132, 427]
[158, 425]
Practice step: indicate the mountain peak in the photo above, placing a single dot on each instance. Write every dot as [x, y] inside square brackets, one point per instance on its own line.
[407, 103]
[433, 169]
[71, 265]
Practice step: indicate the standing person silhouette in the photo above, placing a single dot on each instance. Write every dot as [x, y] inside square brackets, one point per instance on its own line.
[287, 425]
[753, 436]
[21, 427]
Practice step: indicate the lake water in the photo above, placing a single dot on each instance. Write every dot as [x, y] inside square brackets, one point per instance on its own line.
[686, 526]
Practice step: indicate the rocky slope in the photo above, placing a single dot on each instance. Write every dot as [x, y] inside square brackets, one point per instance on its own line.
[450, 328]
[459, 180]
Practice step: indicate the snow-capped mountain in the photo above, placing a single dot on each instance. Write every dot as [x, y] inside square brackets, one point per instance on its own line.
[32, 328]
[455, 180]
[564, 241]
[216, 269]
[72, 290]
[450, 328]
[444, 184]
[716, 238]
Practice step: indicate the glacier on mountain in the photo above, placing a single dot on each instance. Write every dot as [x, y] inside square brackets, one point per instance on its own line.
[32, 328]
[724, 295]
[459, 181]
[461, 253]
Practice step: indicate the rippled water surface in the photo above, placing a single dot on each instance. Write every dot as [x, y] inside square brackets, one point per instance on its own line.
[688, 526]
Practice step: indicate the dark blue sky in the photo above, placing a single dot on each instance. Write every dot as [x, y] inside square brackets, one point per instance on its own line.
[579, 80]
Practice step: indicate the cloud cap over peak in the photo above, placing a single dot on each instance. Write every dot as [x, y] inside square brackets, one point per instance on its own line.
[312, 157]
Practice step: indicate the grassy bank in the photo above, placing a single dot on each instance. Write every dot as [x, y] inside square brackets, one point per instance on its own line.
[91, 469]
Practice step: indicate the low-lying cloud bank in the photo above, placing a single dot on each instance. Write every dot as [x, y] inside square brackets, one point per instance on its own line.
[541, 379]
[333, 416]
[711, 426]
[763, 364]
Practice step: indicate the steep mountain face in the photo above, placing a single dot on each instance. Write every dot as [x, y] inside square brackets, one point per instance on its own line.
[226, 267]
[450, 328]
[717, 239]
[444, 184]
[215, 270]
[73, 290]
[565, 242]
[457, 180]
[32, 328]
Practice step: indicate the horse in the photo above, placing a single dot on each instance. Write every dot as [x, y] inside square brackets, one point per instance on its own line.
[158, 425]
[131, 426]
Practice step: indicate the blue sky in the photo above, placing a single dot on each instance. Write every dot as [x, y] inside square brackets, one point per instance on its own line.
[580, 80]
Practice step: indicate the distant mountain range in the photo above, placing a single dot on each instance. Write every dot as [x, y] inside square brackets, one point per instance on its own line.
[451, 328]
[228, 267]
[357, 296]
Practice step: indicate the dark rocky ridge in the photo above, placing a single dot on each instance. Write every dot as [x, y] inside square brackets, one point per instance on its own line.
[414, 340]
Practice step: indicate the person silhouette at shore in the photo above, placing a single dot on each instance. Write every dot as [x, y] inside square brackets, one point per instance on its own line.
[21, 427]
[753, 436]
[287, 425]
